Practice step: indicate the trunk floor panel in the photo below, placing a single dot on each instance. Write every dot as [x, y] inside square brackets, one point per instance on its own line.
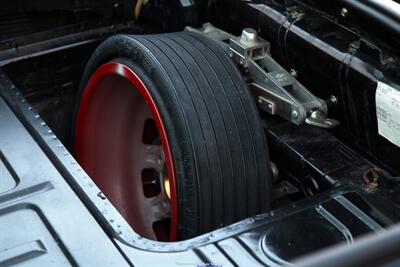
[41, 215]
[53, 214]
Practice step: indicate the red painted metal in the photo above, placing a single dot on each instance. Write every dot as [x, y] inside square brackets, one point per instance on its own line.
[105, 123]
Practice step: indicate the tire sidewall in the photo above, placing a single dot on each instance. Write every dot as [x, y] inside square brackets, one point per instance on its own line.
[139, 59]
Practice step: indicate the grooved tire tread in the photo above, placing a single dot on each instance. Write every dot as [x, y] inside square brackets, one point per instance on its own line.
[218, 145]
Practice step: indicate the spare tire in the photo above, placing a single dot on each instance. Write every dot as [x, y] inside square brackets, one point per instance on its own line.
[168, 130]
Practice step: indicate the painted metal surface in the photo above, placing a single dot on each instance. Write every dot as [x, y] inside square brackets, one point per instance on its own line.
[67, 218]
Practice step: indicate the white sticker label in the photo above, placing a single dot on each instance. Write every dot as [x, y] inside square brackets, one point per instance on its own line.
[388, 112]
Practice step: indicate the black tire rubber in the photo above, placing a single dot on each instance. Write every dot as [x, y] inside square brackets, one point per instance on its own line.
[218, 145]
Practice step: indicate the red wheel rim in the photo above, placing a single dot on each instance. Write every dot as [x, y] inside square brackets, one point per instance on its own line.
[113, 146]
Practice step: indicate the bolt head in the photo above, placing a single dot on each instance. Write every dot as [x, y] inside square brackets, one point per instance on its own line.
[249, 35]
[293, 72]
[333, 99]
[344, 12]
[295, 114]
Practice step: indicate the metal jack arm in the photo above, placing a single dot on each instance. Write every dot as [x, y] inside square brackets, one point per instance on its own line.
[276, 90]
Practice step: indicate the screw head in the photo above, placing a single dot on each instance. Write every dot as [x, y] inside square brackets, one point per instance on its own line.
[333, 100]
[344, 12]
[294, 114]
[293, 72]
